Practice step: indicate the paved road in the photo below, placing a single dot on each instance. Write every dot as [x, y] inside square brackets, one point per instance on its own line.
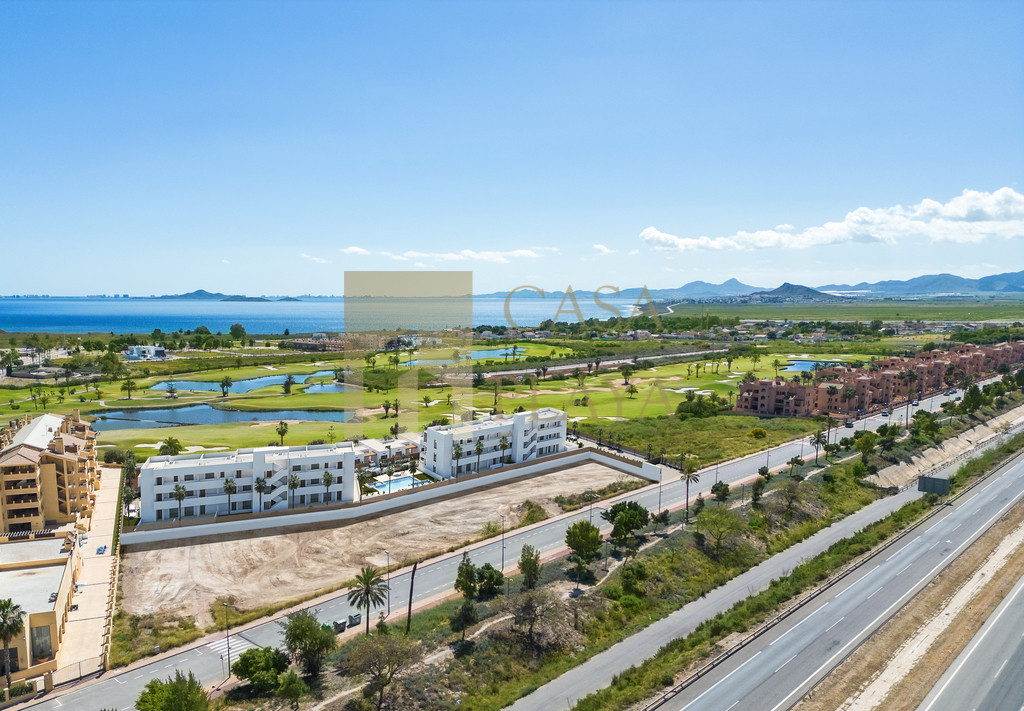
[436, 577]
[775, 671]
[987, 674]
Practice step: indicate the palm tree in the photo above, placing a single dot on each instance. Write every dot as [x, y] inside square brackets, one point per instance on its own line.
[776, 364]
[479, 449]
[260, 486]
[293, 484]
[225, 384]
[849, 394]
[817, 440]
[631, 391]
[11, 625]
[503, 443]
[369, 590]
[689, 476]
[457, 453]
[179, 494]
[282, 430]
[327, 479]
[128, 386]
[287, 384]
[911, 378]
[171, 446]
[230, 488]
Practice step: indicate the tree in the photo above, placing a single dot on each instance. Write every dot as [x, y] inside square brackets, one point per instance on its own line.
[479, 449]
[128, 495]
[370, 590]
[584, 540]
[757, 490]
[865, 444]
[327, 480]
[489, 580]
[817, 441]
[631, 391]
[179, 494]
[758, 433]
[178, 693]
[260, 487]
[261, 667]
[719, 523]
[532, 611]
[237, 331]
[307, 640]
[171, 446]
[129, 386]
[282, 430]
[529, 566]
[503, 444]
[11, 625]
[225, 384]
[293, 484]
[627, 371]
[291, 689]
[626, 523]
[230, 487]
[457, 454]
[381, 658]
[465, 578]
[289, 381]
[464, 617]
[690, 476]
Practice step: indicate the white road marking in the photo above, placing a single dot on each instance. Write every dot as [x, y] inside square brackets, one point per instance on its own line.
[836, 623]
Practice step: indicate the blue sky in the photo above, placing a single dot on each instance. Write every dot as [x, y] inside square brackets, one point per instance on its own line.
[267, 147]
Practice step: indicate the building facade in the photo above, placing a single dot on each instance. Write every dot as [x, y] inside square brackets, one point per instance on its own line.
[48, 473]
[511, 439]
[880, 384]
[291, 477]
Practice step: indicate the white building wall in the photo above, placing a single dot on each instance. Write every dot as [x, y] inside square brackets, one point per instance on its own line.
[530, 435]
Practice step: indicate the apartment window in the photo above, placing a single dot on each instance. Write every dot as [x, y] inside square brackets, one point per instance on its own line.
[189, 477]
[247, 505]
[190, 510]
[296, 468]
[314, 466]
[238, 472]
[159, 481]
[159, 497]
[159, 515]
[209, 475]
[339, 465]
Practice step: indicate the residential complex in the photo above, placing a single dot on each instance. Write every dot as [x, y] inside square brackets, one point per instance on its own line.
[48, 473]
[514, 438]
[39, 575]
[203, 477]
[879, 384]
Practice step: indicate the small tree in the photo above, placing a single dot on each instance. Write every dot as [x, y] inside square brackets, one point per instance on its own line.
[291, 689]
[464, 617]
[327, 480]
[282, 430]
[307, 640]
[225, 385]
[293, 484]
[12, 624]
[178, 692]
[489, 579]
[381, 658]
[466, 578]
[529, 566]
[757, 490]
[370, 589]
[720, 490]
[170, 445]
[261, 667]
[289, 381]
[260, 487]
[719, 523]
[179, 494]
[230, 487]
[584, 540]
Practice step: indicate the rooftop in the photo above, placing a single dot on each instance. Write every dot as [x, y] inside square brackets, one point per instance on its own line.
[31, 587]
[38, 432]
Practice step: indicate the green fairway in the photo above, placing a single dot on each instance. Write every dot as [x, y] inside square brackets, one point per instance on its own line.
[924, 310]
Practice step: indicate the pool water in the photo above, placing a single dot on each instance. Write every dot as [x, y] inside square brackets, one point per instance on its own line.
[397, 484]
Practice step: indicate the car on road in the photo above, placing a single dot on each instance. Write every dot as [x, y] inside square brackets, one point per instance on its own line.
[914, 403]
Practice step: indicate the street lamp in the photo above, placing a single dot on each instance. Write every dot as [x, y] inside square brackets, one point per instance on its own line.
[412, 579]
[503, 554]
[227, 637]
[387, 577]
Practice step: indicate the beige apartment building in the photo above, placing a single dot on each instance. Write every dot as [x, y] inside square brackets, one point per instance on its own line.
[883, 383]
[48, 473]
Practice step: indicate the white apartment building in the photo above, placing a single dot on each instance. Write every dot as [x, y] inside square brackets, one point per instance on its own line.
[203, 476]
[528, 435]
[146, 353]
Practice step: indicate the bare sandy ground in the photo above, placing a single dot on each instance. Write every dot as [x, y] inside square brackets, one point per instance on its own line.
[270, 569]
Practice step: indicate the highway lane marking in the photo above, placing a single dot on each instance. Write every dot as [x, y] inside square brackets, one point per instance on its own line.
[1000, 669]
[118, 681]
[800, 623]
[926, 577]
[854, 584]
[836, 623]
[785, 663]
[904, 568]
[872, 594]
[733, 705]
[712, 687]
[901, 550]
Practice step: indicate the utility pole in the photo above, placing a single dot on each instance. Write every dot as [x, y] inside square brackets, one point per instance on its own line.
[412, 579]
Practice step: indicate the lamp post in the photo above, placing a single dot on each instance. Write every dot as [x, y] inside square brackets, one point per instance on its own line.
[412, 579]
[503, 554]
[387, 577]
[227, 637]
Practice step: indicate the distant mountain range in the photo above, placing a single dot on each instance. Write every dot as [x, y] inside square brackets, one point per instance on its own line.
[204, 295]
[796, 292]
[934, 285]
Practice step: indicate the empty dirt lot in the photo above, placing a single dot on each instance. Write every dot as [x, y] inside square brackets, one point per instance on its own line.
[269, 569]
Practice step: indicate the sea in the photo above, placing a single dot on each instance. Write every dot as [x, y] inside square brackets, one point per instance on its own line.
[306, 315]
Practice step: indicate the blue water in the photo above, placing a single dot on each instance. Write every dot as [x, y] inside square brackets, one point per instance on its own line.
[798, 366]
[397, 484]
[330, 388]
[141, 316]
[242, 386]
[205, 415]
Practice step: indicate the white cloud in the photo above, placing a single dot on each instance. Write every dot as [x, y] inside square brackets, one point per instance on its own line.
[224, 261]
[318, 260]
[634, 252]
[354, 250]
[601, 249]
[465, 255]
[969, 218]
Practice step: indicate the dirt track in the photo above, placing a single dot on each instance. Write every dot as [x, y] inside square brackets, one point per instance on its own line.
[269, 569]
